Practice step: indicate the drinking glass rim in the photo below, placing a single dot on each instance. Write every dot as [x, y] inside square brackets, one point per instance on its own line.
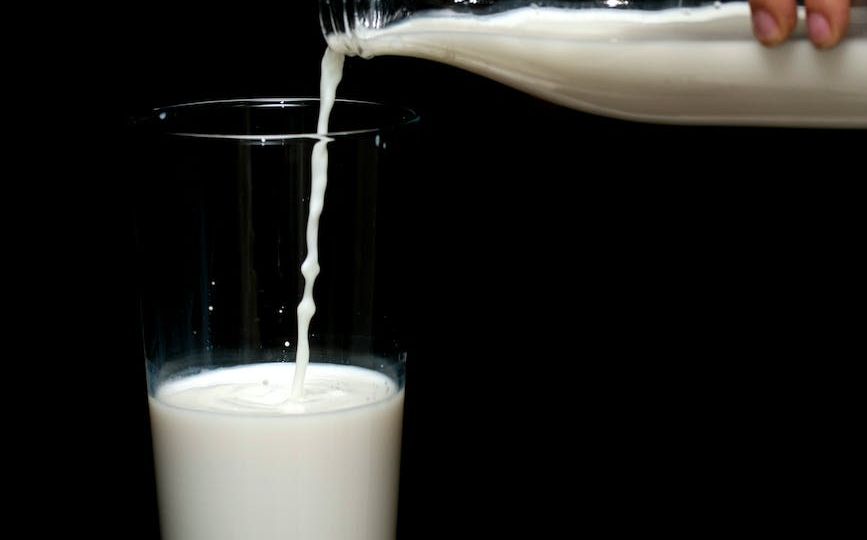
[404, 117]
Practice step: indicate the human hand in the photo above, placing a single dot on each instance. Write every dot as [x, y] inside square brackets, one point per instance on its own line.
[774, 20]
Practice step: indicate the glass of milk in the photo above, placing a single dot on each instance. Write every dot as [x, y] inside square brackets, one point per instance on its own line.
[243, 446]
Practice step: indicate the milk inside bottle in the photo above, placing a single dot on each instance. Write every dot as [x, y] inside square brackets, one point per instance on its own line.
[645, 61]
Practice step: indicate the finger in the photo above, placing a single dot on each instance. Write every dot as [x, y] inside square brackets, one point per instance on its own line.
[773, 20]
[827, 21]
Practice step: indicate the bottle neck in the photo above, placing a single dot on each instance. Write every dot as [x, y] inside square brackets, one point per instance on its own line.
[346, 17]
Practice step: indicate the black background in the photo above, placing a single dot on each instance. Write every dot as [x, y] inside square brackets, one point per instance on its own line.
[636, 301]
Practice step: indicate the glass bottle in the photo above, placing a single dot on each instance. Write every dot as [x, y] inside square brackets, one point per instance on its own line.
[682, 62]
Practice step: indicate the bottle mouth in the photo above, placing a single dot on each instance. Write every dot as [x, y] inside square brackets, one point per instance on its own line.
[332, 17]
[338, 17]
[343, 16]
[341, 19]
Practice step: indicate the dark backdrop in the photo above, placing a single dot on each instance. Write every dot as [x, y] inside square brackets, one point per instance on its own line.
[636, 297]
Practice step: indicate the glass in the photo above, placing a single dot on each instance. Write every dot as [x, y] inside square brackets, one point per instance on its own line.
[223, 193]
[678, 62]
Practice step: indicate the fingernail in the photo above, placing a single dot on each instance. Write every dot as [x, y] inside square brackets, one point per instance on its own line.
[820, 29]
[765, 26]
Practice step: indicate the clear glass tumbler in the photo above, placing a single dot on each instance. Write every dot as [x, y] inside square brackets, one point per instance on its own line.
[223, 194]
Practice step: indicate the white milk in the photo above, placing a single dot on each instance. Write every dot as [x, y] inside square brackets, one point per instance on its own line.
[332, 72]
[689, 66]
[237, 458]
